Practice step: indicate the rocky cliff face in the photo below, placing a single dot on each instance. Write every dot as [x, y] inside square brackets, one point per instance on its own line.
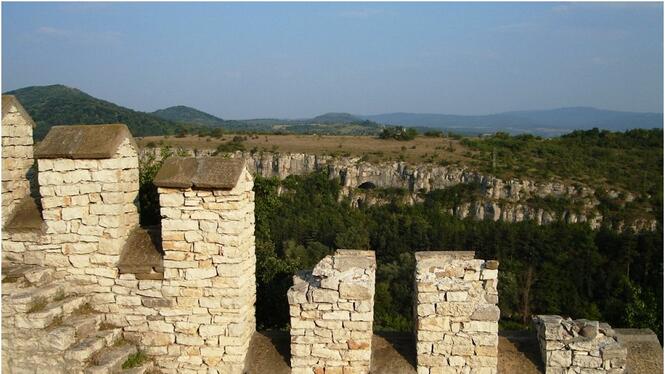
[505, 200]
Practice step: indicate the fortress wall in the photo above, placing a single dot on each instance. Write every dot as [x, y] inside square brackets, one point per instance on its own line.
[88, 205]
[579, 346]
[457, 317]
[194, 311]
[17, 154]
[332, 311]
[201, 316]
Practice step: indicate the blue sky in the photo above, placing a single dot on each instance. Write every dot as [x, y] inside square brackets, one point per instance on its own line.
[249, 60]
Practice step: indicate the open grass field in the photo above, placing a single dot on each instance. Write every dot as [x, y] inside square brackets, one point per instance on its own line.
[421, 149]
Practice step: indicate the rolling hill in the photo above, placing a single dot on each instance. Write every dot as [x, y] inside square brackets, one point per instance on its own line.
[185, 114]
[62, 105]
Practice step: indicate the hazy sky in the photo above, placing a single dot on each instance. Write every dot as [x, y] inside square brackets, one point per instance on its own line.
[248, 60]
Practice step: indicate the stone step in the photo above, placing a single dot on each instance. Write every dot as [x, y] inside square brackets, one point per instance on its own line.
[9, 289]
[111, 360]
[84, 324]
[145, 368]
[50, 312]
[60, 338]
[23, 299]
[39, 276]
[31, 274]
[86, 348]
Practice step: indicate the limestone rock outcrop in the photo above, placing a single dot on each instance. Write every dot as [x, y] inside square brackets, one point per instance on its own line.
[500, 200]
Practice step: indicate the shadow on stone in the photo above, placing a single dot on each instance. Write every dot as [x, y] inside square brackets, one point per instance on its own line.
[26, 217]
[142, 254]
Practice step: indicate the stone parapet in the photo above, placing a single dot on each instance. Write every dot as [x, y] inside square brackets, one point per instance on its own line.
[578, 346]
[332, 311]
[87, 205]
[201, 316]
[456, 313]
[17, 154]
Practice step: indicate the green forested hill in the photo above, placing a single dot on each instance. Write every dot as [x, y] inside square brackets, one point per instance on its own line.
[185, 114]
[62, 105]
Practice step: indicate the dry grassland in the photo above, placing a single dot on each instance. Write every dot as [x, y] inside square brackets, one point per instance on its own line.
[421, 149]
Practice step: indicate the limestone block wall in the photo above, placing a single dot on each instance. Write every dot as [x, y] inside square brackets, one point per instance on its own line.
[332, 311]
[88, 205]
[88, 186]
[456, 313]
[201, 316]
[17, 154]
[578, 346]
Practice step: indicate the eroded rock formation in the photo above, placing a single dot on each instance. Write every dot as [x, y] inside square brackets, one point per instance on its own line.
[512, 200]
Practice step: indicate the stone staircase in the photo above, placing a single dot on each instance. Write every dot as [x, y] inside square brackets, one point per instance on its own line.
[47, 327]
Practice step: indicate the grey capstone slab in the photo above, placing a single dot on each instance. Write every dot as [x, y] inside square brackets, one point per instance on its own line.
[206, 173]
[83, 141]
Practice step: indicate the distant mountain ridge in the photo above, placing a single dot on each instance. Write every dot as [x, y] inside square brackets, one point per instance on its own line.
[62, 105]
[335, 118]
[544, 122]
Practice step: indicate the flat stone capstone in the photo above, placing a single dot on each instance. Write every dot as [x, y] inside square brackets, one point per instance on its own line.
[190, 172]
[83, 141]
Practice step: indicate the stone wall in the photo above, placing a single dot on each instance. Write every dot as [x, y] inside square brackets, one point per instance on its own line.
[17, 154]
[332, 311]
[88, 207]
[194, 314]
[200, 317]
[457, 316]
[579, 346]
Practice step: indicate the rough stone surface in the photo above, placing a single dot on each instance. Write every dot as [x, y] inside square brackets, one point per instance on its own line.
[331, 311]
[200, 317]
[64, 251]
[17, 155]
[83, 141]
[212, 172]
[574, 346]
[88, 208]
[142, 254]
[46, 325]
[26, 217]
[456, 326]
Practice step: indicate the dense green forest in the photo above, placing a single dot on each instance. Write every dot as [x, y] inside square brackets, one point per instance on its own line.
[556, 269]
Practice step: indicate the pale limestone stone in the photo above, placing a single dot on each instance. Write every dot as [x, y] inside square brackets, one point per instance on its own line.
[179, 225]
[171, 200]
[456, 327]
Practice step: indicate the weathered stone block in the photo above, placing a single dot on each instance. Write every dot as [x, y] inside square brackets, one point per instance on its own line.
[331, 314]
[456, 325]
